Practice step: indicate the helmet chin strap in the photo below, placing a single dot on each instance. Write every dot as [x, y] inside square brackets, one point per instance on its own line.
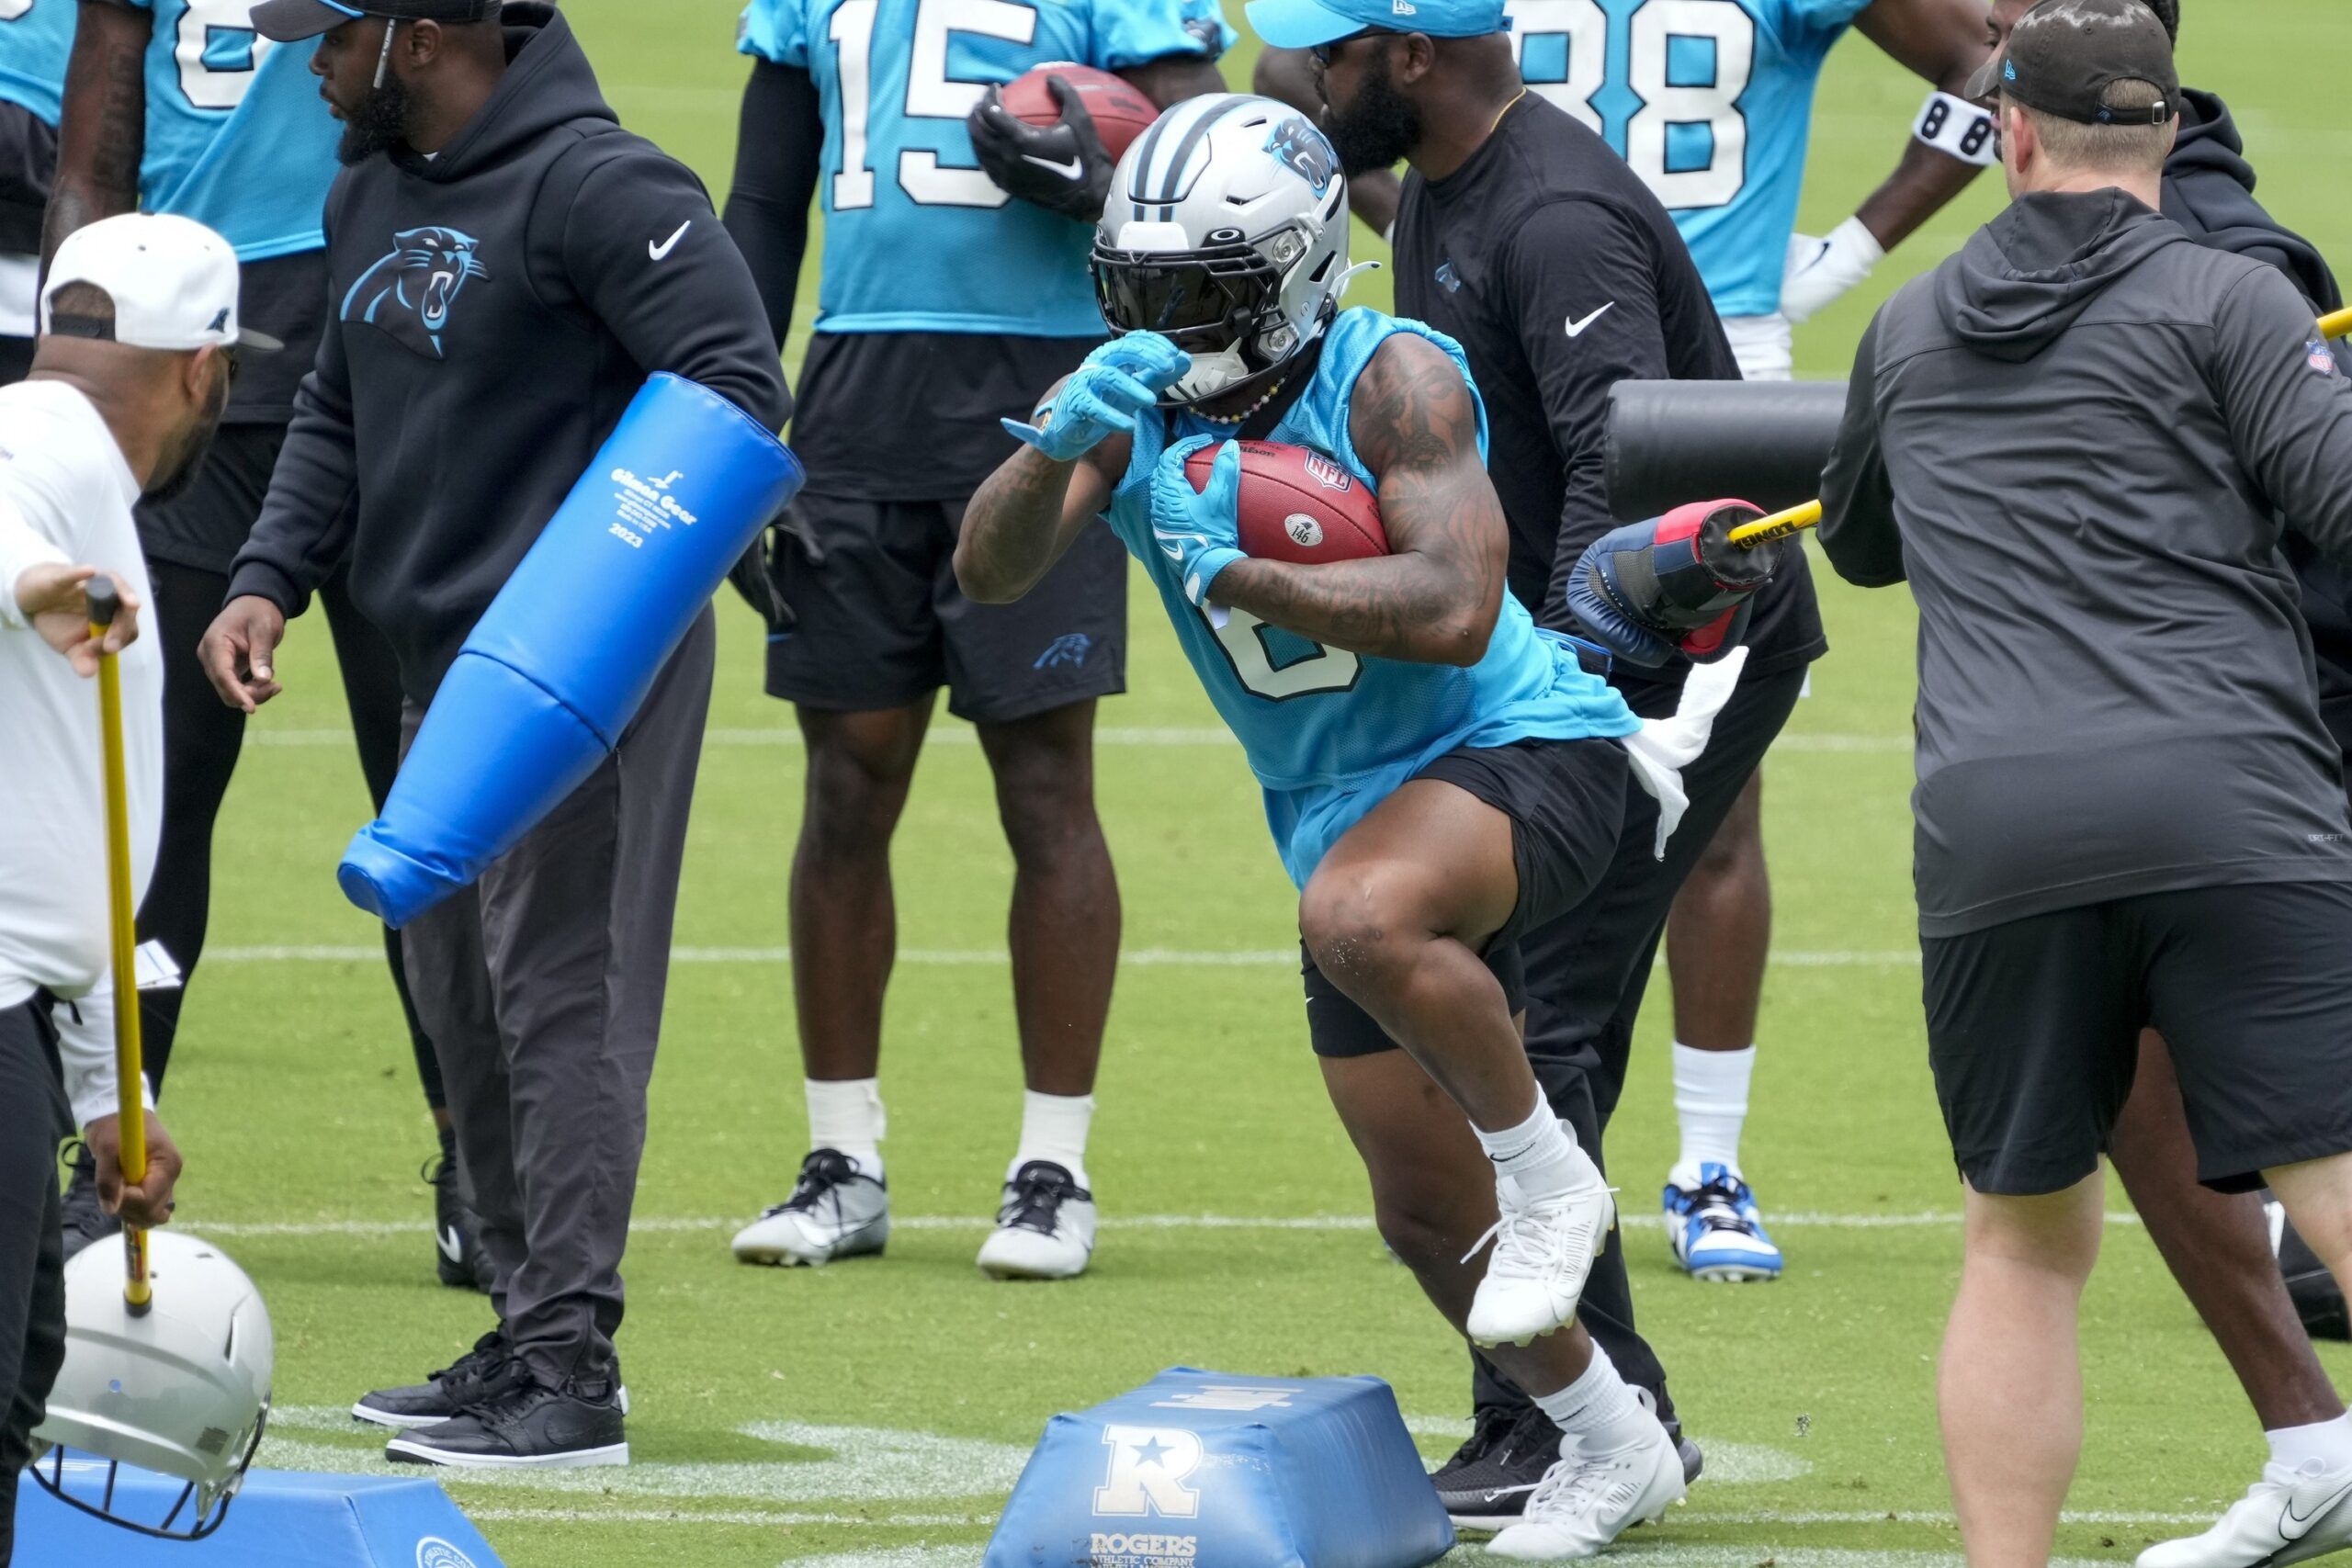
[1340, 289]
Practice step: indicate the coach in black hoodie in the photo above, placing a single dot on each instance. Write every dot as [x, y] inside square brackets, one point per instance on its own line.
[508, 266]
[2074, 440]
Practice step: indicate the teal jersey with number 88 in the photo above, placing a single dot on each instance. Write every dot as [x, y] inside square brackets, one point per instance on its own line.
[1710, 101]
[917, 237]
[237, 137]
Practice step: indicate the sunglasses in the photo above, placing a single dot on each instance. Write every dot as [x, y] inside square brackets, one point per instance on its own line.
[1321, 54]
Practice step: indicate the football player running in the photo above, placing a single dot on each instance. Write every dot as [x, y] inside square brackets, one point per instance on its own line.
[1439, 774]
[884, 108]
[1711, 103]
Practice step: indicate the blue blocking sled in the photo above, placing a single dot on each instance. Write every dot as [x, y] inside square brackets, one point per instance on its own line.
[279, 1520]
[563, 658]
[1207, 1469]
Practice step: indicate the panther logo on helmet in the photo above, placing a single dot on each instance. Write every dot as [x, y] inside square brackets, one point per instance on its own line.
[1305, 150]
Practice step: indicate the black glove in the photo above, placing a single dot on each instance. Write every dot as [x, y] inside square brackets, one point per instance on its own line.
[759, 575]
[1062, 167]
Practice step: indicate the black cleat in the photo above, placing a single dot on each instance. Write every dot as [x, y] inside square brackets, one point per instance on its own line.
[1485, 1484]
[85, 1222]
[457, 1255]
[480, 1371]
[525, 1425]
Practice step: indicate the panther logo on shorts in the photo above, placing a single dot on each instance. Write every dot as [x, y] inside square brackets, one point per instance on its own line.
[1065, 652]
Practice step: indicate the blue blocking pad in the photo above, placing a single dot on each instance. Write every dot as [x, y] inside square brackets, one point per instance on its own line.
[559, 663]
[280, 1519]
[1210, 1469]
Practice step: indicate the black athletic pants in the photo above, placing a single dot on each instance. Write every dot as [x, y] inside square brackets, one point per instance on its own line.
[201, 737]
[33, 1116]
[1587, 973]
[548, 975]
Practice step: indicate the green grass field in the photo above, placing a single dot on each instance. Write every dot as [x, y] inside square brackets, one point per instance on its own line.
[876, 1413]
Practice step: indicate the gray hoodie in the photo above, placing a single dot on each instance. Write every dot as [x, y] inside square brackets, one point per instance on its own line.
[2074, 438]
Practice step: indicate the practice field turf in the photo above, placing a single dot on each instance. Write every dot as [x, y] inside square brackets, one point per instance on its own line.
[874, 1413]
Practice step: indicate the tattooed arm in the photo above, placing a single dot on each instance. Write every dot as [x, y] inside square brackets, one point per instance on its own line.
[103, 130]
[1027, 512]
[1434, 598]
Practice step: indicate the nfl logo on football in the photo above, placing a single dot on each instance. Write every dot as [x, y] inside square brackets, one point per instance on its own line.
[1327, 473]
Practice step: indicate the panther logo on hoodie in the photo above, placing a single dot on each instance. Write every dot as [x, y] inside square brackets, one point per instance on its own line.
[411, 292]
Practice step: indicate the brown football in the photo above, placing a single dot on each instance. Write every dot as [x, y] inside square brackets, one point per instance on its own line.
[1120, 113]
[1299, 505]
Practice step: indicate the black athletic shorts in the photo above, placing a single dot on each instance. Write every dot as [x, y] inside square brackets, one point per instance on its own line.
[881, 623]
[1565, 800]
[2033, 1030]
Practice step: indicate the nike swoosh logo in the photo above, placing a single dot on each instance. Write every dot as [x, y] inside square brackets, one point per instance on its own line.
[1070, 171]
[663, 249]
[1576, 329]
[2303, 1522]
[452, 1244]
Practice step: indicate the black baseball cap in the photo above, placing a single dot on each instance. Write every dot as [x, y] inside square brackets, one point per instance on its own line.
[2063, 55]
[291, 21]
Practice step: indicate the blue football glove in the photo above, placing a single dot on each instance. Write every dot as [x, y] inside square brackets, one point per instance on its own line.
[1198, 530]
[1118, 382]
[1675, 584]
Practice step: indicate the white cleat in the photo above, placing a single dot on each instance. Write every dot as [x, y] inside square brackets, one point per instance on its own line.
[1044, 1229]
[2287, 1517]
[1543, 1252]
[835, 1211]
[1586, 1501]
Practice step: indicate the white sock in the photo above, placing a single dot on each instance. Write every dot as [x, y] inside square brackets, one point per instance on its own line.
[1600, 1412]
[846, 1114]
[1711, 1099]
[1539, 1155]
[2325, 1447]
[1054, 1127]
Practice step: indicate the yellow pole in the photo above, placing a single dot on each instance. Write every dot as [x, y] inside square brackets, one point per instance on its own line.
[130, 1068]
[1796, 519]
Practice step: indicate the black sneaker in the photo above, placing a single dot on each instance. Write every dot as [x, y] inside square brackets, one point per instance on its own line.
[86, 1222]
[524, 1424]
[457, 1255]
[1485, 1484]
[483, 1370]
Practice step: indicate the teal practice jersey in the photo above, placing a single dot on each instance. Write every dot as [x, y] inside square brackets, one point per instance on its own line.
[1710, 101]
[917, 238]
[36, 37]
[237, 136]
[1328, 733]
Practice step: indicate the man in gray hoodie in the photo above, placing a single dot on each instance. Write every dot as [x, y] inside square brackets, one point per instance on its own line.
[2074, 440]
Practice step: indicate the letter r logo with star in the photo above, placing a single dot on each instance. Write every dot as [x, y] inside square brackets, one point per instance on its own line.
[1148, 1465]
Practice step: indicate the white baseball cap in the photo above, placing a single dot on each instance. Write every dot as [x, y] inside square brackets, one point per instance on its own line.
[173, 281]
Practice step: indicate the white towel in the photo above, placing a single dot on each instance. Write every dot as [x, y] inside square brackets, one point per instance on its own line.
[1664, 746]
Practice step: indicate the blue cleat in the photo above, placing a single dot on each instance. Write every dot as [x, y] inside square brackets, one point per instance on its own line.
[1714, 1225]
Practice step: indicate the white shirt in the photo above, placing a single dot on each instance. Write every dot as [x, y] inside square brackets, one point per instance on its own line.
[66, 496]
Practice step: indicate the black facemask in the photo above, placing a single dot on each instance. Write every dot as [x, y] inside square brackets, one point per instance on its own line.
[380, 124]
[1375, 130]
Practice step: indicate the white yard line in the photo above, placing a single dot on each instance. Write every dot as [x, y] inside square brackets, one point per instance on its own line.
[1798, 1219]
[993, 957]
[1109, 735]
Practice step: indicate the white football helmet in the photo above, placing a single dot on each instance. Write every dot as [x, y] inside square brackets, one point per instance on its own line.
[182, 1389]
[1227, 233]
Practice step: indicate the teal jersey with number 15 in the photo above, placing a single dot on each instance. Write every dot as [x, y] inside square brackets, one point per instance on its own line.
[1710, 101]
[917, 237]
